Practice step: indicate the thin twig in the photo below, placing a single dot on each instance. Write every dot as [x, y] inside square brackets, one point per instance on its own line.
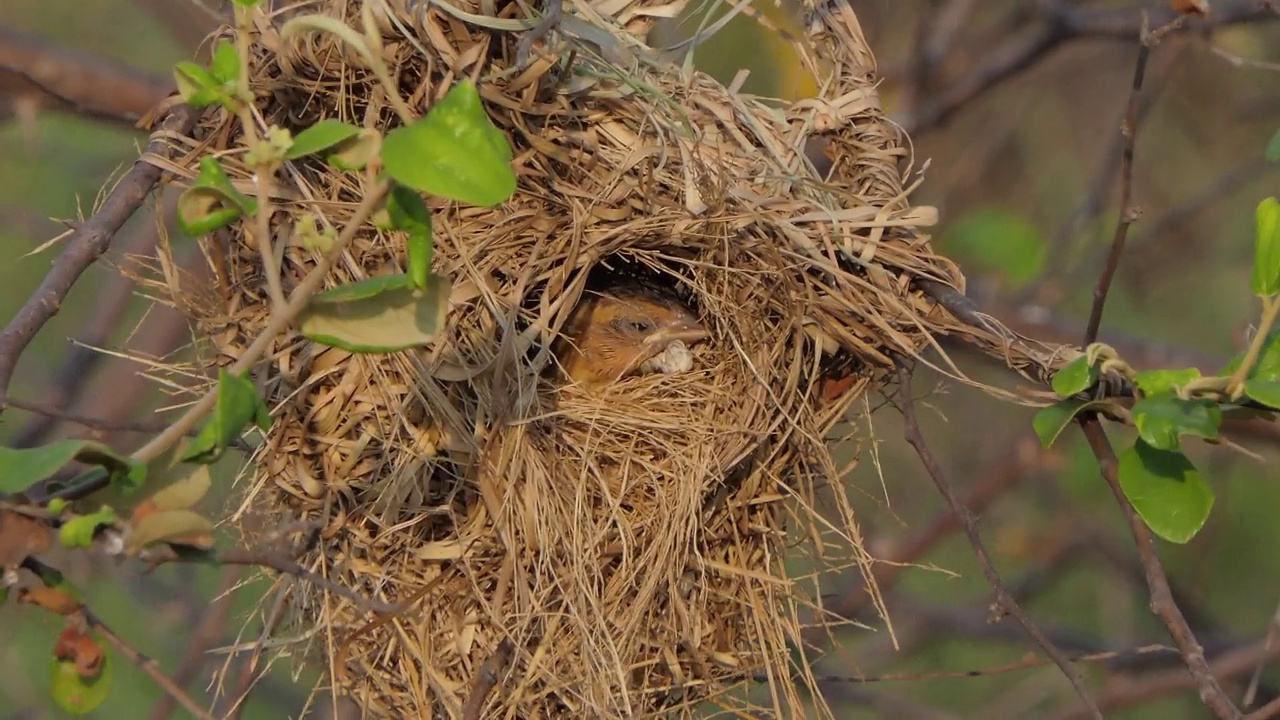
[1063, 22]
[911, 431]
[111, 305]
[276, 559]
[298, 300]
[486, 678]
[1128, 213]
[82, 614]
[1162, 602]
[89, 241]
[1152, 686]
[995, 480]
[93, 423]
[210, 627]
[148, 666]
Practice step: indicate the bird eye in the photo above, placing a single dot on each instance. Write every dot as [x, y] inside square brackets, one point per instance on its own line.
[633, 325]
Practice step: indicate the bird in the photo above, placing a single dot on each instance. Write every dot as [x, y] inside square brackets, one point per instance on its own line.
[627, 327]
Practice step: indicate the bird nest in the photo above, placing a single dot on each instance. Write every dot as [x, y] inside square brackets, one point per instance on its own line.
[560, 549]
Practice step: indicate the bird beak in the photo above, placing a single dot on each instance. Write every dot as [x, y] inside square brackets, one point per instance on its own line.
[689, 332]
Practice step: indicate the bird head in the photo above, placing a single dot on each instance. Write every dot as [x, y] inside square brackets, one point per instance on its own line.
[613, 332]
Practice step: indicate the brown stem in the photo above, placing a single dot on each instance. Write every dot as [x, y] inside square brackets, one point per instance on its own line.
[1162, 602]
[911, 430]
[89, 241]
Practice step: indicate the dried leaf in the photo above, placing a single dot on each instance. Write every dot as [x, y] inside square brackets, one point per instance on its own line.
[177, 527]
[54, 599]
[21, 536]
[77, 646]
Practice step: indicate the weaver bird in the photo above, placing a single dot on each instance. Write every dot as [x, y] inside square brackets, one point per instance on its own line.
[628, 327]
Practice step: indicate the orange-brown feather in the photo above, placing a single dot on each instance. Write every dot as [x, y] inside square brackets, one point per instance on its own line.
[612, 332]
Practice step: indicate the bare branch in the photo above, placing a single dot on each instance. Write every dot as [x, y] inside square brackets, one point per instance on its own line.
[486, 678]
[1061, 23]
[1162, 602]
[89, 241]
[76, 81]
[1163, 684]
[148, 666]
[911, 430]
[1128, 212]
[211, 625]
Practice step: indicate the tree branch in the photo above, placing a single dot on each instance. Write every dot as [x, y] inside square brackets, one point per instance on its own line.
[1162, 602]
[76, 81]
[1061, 23]
[911, 430]
[89, 241]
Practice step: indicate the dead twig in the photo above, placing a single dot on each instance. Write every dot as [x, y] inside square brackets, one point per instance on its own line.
[1128, 212]
[79, 82]
[486, 678]
[1061, 23]
[911, 431]
[89, 241]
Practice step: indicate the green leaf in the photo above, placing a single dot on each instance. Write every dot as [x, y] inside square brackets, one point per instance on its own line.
[1156, 382]
[1267, 366]
[1266, 257]
[226, 63]
[212, 202]
[998, 241]
[320, 137]
[1166, 490]
[454, 152]
[196, 85]
[237, 405]
[79, 530]
[1075, 377]
[75, 693]
[383, 314]
[20, 469]
[408, 212]
[1273, 148]
[1162, 419]
[1266, 392]
[247, 3]
[1049, 422]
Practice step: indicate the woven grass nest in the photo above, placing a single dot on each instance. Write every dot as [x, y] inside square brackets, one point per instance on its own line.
[659, 541]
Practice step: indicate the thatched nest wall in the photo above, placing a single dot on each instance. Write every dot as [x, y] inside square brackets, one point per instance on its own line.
[648, 544]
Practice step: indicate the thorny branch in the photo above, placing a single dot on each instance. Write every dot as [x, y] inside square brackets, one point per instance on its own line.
[968, 523]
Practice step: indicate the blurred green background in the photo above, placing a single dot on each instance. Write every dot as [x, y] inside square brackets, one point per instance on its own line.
[1024, 177]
